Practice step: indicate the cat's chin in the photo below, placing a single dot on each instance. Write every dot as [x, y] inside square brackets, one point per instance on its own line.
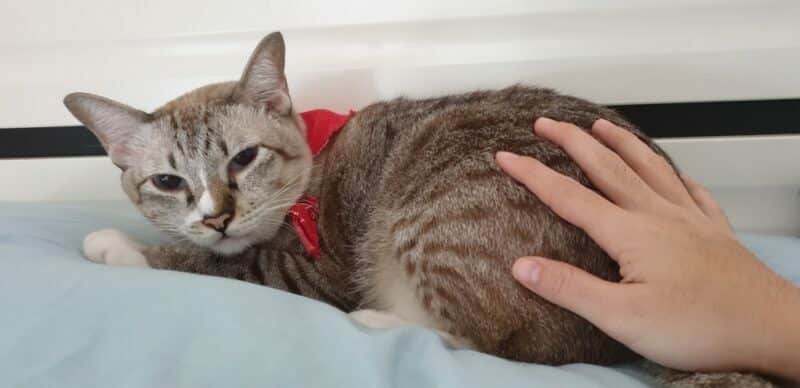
[230, 245]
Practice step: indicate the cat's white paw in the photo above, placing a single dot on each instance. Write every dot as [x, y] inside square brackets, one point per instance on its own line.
[112, 247]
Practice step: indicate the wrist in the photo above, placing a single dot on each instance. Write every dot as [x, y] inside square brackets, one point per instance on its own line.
[779, 353]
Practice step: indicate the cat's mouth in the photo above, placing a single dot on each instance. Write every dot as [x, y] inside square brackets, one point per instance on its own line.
[234, 239]
[227, 244]
[224, 235]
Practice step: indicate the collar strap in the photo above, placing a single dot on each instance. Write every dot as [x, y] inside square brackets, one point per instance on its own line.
[321, 126]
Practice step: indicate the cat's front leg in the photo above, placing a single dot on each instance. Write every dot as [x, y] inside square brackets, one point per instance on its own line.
[320, 279]
[113, 247]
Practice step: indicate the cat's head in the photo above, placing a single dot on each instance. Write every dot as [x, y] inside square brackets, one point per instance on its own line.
[218, 166]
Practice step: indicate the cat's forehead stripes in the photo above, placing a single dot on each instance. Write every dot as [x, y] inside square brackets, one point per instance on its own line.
[223, 146]
[171, 160]
[196, 133]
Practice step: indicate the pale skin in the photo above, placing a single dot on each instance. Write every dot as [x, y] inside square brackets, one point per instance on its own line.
[692, 296]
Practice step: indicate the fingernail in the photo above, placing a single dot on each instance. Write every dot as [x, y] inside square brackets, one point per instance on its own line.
[543, 122]
[526, 270]
[505, 156]
[602, 123]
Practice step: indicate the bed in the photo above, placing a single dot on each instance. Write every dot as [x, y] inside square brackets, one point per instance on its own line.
[68, 322]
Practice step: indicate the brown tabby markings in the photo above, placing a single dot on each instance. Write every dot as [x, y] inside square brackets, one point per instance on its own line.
[436, 289]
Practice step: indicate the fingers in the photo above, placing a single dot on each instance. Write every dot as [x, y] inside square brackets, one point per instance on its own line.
[584, 208]
[593, 298]
[604, 168]
[651, 167]
[706, 203]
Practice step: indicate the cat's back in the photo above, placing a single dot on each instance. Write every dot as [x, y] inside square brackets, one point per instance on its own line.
[458, 128]
[423, 150]
[441, 167]
[440, 218]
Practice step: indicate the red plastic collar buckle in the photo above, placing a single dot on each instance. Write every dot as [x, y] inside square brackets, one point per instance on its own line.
[304, 220]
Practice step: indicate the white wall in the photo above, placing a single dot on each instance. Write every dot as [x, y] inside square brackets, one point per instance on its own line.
[344, 54]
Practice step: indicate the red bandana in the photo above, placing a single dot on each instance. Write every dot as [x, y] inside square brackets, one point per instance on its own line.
[321, 125]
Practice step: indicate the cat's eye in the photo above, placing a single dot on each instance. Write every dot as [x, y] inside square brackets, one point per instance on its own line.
[167, 182]
[242, 159]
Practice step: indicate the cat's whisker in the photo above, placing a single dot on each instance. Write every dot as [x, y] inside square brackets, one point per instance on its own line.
[266, 207]
[286, 187]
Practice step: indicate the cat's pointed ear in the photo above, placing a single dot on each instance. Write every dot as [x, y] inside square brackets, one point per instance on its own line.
[263, 82]
[116, 125]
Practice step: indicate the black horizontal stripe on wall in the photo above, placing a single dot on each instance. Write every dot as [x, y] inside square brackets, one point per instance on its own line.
[685, 119]
[41, 142]
[728, 118]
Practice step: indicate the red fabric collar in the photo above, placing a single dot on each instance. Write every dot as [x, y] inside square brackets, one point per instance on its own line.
[321, 125]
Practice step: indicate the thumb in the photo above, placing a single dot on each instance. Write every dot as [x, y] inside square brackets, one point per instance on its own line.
[570, 287]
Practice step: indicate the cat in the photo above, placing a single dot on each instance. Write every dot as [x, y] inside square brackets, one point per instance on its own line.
[417, 224]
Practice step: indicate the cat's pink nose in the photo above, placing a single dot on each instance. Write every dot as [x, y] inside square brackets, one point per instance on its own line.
[219, 222]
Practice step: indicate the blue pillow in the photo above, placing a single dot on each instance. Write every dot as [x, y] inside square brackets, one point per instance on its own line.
[67, 322]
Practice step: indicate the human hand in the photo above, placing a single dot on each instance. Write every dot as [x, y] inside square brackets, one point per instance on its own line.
[692, 296]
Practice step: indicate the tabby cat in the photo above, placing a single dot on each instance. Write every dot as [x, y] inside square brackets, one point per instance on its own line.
[417, 224]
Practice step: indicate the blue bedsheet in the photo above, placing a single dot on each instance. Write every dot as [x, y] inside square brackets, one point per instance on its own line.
[67, 322]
